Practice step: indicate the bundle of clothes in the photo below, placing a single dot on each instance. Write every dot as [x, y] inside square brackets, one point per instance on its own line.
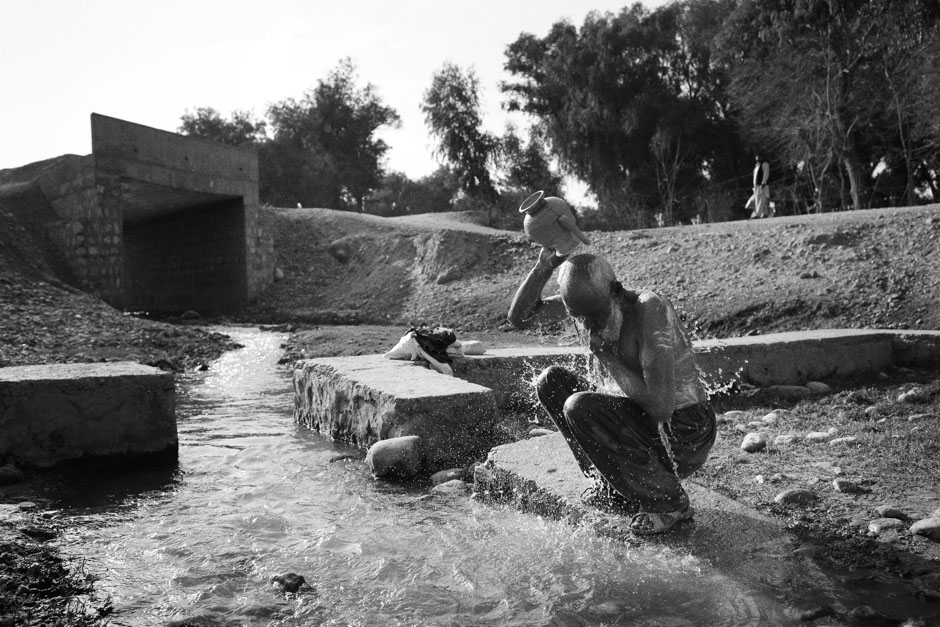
[437, 346]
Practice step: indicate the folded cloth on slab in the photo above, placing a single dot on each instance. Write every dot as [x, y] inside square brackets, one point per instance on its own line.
[411, 349]
[435, 341]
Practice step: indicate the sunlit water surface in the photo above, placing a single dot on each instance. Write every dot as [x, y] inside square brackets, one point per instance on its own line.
[255, 495]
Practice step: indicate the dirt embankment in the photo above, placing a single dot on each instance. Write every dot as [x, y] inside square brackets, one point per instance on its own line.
[863, 269]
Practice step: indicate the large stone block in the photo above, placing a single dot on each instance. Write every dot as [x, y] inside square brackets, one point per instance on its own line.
[364, 399]
[61, 412]
[796, 357]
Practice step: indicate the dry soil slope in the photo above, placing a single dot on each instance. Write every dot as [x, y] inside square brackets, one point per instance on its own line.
[875, 268]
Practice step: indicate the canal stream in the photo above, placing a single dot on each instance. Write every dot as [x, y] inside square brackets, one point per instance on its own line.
[254, 495]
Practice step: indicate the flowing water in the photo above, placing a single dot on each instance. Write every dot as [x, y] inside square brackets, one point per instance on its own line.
[254, 495]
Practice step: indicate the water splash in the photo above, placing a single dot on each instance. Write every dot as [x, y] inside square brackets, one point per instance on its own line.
[665, 440]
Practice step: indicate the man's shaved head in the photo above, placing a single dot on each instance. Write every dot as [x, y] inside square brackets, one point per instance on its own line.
[586, 281]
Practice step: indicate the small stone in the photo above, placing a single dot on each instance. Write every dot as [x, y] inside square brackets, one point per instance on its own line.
[539, 431]
[847, 487]
[818, 436]
[818, 387]
[289, 582]
[740, 428]
[786, 439]
[455, 486]
[759, 479]
[757, 424]
[754, 442]
[871, 410]
[796, 496]
[443, 476]
[911, 396]
[26, 506]
[928, 527]
[845, 441]
[775, 416]
[889, 511]
[346, 457]
[818, 612]
[791, 391]
[734, 415]
[916, 417]
[880, 525]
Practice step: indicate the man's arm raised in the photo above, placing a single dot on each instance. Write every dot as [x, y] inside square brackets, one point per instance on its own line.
[528, 307]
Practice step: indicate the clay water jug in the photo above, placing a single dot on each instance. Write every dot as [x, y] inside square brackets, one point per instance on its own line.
[550, 222]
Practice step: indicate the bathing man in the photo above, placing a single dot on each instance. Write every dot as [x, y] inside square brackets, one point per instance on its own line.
[647, 380]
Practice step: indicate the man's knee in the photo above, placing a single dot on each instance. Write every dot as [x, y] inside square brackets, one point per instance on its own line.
[580, 405]
[554, 379]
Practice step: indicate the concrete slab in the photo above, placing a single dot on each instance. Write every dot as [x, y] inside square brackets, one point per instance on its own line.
[794, 358]
[367, 398]
[364, 399]
[61, 412]
[540, 475]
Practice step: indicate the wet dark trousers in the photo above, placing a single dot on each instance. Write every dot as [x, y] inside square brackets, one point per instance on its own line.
[615, 435]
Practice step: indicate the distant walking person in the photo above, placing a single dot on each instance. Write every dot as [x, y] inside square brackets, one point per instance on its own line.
[761, 197]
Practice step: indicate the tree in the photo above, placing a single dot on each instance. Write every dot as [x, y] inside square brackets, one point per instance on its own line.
[526, 165]
[294, 167]
[399, 195]
[322, 149]
[207, 123]
[631, 103]
[821, 81]
[451, 107]
[346, 121]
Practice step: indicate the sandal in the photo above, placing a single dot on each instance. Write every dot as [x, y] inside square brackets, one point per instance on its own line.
[653, 523]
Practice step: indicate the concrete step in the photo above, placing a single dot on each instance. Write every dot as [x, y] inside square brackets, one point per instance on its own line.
[55, 413]
[541, 476]
[363, 399]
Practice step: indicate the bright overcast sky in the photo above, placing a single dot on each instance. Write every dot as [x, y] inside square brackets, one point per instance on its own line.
[148, 62]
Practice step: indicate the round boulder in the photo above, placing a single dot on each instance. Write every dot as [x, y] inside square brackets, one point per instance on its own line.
[796, 496]
[928, 527]
[396, 457]
[754, 442]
